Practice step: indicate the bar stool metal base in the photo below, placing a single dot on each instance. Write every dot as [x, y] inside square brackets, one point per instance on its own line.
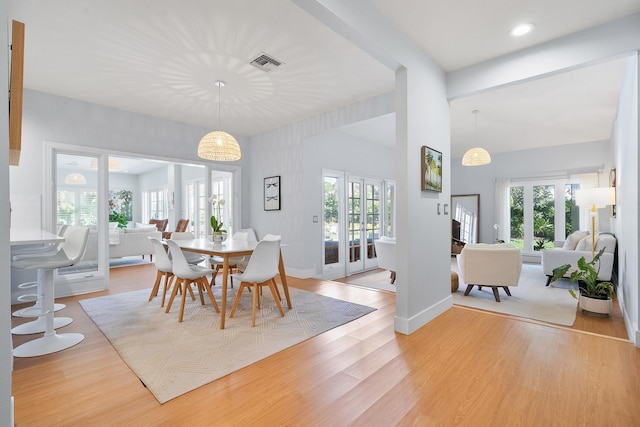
[35, 310]
[40, 325]
[47, 345]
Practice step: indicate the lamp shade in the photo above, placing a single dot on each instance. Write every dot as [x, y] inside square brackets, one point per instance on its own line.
[476, 156]
[114, 164]
[219, 146]
[600, 197]
[75, 179]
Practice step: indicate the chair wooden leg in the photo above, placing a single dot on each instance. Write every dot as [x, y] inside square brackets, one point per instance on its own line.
[276, 296]
[168, 280]
[206, 286]
[193, 297]
[255, 303]
[275, 285]
[212, 283]
[176, 286]
[185, 284]
[469, 287]
[506, 289]
[495, 293]
[236, 300]
[156, 285]
[200, 289]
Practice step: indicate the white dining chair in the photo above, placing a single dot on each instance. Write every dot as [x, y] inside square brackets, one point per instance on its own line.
[217, 262]
[165, 270]
[191, 257]
[185, 274]
[69, 253]
[261, 271]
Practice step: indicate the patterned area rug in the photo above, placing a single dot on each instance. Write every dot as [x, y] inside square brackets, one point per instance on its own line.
[380, 280]
[530, 299]
[173, 358]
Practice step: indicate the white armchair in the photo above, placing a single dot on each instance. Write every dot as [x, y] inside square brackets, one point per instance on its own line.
[386, 254]
[495, 266]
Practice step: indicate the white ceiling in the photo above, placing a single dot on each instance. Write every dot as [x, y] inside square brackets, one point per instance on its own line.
[161, 58]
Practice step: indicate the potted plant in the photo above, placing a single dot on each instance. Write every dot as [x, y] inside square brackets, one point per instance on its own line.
[120, 218]
[216, 226]
[595, 297]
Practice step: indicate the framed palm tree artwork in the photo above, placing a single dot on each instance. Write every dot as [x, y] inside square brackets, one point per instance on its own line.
[431, 169]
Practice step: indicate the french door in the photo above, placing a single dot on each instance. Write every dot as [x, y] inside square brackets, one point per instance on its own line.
[356, 211]
[363, 222]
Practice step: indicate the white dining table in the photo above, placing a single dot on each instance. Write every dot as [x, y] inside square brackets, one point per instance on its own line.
[227, 249]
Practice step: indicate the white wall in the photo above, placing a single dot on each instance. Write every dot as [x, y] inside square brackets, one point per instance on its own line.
[6, 345]
[543, 162]
[340, 152]
[625, 137]
[283, 152]
[67, 121]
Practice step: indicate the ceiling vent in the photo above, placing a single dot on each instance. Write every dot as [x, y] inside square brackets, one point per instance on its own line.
[266, 62]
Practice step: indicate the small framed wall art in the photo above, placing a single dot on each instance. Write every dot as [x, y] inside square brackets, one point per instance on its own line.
[272, 193]
[431, 169]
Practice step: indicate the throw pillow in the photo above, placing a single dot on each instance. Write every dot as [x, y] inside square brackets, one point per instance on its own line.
[140, 229]
[584, 244]
[140, 225]
[573, 239]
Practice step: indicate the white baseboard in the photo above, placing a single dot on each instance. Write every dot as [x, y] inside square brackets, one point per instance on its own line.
[300, 273]
[410, 325]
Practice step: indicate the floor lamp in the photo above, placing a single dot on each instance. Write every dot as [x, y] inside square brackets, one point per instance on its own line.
[595, 198]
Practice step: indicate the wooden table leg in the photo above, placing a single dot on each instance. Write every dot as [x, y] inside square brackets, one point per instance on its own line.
[223, 306]
[283, 278]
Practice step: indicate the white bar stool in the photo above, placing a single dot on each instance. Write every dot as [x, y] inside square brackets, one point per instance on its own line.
[70, 252]
[37, 309]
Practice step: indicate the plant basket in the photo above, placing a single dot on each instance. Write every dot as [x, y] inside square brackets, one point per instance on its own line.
[595, 306]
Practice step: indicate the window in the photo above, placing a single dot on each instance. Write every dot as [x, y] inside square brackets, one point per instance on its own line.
[154, 204]
[467, 220]
[76, 207]
[542, 212]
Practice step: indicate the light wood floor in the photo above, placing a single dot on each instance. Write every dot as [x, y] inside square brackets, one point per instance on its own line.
[612, 326]
[465, 368]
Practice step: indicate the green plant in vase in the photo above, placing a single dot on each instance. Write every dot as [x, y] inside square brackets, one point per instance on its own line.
[216, 224]
[591, 290]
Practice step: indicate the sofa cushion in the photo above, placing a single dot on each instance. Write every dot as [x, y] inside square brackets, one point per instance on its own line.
[584, 244]
[141, 225]
[140, 230]
[606, 241]
[573, 239]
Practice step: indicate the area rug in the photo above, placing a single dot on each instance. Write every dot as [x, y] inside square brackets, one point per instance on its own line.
[380, 280]
[173, 358]
[126, 262]
[530, 299]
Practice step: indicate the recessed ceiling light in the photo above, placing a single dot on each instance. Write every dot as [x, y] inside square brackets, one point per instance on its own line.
[521, 29]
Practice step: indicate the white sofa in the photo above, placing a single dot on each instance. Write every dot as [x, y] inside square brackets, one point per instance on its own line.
[577, 245]
[491, 265]
[123, 242]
